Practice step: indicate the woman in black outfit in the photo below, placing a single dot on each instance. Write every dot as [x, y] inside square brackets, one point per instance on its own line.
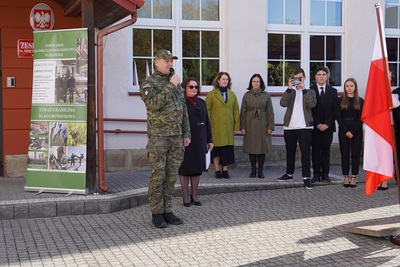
[194, 161]
[348, 116]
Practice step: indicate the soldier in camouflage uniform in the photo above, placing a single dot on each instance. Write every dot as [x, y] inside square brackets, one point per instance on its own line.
[168, 133]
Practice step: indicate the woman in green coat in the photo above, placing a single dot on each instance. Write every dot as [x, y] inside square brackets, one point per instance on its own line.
[257, 123]
[223, 111]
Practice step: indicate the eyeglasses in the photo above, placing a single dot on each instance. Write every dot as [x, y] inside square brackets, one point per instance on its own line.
[193, 87]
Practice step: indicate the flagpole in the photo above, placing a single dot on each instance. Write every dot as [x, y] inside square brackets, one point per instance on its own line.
[388, 91]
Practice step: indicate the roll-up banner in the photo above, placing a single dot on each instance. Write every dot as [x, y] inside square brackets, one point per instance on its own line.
[58, 127]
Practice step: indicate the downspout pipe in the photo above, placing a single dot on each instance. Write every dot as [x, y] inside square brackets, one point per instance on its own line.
[100, 126]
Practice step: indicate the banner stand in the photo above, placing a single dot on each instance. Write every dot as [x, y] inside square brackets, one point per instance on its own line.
[57, 149]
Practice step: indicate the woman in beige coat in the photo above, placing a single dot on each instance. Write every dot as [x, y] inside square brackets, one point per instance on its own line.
[257, 123]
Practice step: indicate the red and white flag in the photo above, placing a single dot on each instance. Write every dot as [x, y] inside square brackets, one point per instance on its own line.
[378, 139]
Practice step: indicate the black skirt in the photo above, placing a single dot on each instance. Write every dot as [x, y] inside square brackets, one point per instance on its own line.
[226, 154]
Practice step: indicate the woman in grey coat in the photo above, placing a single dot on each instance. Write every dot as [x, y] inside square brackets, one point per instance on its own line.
[257, 123]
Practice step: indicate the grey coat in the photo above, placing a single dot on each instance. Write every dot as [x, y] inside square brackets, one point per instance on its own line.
[256, 117]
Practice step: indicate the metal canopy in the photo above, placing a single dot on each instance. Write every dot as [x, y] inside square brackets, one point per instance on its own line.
[106, 12]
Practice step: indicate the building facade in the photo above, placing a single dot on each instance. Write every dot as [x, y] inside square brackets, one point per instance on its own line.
[242, 37]
[270, 37]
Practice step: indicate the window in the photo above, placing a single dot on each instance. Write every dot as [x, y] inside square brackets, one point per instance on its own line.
[392, 26]
[156, 9]
[326, 12]
[284, 51]
[392, 14]
[200, 10]
[145, 41]
[190, 29]
[200, 55]
[392, 46]
[326, 51]
[284, 12]
[297, 37]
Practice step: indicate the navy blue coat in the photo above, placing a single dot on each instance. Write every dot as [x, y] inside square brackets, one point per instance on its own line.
[194, 161]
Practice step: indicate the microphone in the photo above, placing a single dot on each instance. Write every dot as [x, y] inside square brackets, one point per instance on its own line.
[171, 73]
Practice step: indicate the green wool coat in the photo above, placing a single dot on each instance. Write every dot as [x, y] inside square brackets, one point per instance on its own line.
[224, 117]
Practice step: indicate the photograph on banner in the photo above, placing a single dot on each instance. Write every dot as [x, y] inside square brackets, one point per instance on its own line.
[37, 159]
[77, 134]
[58, 134]
[76, 158]
[81, 70]
[58, 158]
[39, 143]
[39, 128]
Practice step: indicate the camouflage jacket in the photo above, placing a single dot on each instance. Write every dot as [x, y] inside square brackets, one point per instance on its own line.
[166, 107]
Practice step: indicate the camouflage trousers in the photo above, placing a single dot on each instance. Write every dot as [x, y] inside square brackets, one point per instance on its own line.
[165, 157]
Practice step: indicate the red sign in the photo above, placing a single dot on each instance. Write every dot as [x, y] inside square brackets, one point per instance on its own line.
[25, 48]
[42, 17]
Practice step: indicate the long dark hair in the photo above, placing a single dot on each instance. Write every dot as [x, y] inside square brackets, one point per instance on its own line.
[187, 81]
[262, 84]
[215, 82]
[344, 103]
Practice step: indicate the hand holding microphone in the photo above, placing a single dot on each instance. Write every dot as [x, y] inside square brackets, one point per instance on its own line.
[173, 78]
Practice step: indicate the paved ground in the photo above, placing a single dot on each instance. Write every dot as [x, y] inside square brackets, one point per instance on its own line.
[281, 227]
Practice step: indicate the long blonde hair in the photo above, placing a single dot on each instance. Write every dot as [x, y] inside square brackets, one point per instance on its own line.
[344, 103]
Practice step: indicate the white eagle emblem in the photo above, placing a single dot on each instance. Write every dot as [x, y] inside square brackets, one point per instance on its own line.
[42, 19]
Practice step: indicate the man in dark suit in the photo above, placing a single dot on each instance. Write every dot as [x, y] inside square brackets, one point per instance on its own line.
[324, 125]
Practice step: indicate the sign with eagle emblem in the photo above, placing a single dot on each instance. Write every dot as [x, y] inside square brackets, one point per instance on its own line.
[42, 17]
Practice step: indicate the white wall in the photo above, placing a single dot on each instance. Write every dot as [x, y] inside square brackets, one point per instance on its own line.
[117, 102]
[360, 36]
[243, 53]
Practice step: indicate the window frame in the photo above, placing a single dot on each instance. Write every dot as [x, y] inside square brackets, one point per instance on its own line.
[394, 33]
[177, 25]
[305, 30]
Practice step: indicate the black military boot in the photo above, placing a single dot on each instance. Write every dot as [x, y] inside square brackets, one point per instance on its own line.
[170, 218]
[158, 221]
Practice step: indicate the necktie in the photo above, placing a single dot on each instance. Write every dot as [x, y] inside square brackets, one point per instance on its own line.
[322, 95]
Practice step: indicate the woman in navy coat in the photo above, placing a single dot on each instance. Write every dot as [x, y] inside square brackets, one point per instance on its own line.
[194, 161]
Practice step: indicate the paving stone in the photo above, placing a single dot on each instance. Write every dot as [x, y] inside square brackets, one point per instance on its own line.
[77, 207]
[104, 206]
[6, 212]
[91, 206]
[21, 211]
[49, 209]
[35, 210]
[63, 208]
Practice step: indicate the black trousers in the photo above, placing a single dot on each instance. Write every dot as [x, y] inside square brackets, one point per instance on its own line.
[303, 137]
[321, 151]
[397, 134]
[350, 149]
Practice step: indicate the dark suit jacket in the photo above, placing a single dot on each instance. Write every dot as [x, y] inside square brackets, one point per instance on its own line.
[396, 112]
[325, 114]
